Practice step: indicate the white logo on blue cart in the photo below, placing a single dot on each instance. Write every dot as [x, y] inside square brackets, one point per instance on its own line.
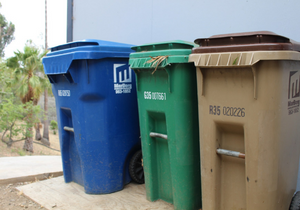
[122, 76]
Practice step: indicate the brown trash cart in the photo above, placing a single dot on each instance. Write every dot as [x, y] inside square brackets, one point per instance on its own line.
[249, 100]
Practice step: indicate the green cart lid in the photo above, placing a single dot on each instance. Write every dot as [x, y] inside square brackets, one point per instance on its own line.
[171, 45]
[168, 52]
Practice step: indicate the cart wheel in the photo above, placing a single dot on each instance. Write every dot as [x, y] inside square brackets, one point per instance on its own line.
[136, 169]
[295, 203]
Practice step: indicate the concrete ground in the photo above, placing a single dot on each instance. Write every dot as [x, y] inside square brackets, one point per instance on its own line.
[29, 168]
[54, 193]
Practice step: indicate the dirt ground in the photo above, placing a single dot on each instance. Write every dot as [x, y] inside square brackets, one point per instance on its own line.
[16, 148]
[10, 197]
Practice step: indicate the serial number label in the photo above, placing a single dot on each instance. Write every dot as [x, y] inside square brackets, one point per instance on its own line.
[227, 111]
[64, 93]
[293, 110]
[155, 95]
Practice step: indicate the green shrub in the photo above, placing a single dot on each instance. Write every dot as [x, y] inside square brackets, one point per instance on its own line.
[53, 126]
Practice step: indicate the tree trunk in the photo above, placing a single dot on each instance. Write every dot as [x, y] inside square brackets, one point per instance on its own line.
[10, 141]
[38, 135]
[45, 142]
[28, 144]
[2, 139]
[46, 124]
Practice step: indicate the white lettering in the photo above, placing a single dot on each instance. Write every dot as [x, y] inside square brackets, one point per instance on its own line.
[155, 95]
[64, 93]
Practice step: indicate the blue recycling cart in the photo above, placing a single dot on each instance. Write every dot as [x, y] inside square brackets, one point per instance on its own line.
[97, 112]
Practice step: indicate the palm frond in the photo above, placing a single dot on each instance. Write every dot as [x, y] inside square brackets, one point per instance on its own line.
[27, 71]
[22, 91]
[34, 82]
[156, 61]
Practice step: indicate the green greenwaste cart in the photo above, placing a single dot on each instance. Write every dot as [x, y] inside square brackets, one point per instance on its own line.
[168, 113]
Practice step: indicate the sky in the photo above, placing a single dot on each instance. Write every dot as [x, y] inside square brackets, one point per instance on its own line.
[29, 19]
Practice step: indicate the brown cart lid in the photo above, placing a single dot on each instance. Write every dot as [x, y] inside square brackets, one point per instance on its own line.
[249, 41]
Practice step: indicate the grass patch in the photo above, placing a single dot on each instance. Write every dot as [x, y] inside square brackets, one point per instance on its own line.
[21, 152]
[13, 151]
[18, 151]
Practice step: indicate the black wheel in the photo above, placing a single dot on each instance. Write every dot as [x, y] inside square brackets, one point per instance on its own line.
[136, 169]
[295, 203]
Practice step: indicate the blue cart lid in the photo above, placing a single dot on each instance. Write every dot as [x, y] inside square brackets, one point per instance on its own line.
[60, 58]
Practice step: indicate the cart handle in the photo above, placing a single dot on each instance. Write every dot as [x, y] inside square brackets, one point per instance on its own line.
[66, 128]
[159, 135]
[230, 153]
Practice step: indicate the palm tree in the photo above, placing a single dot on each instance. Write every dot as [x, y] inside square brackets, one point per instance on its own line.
[28, 80]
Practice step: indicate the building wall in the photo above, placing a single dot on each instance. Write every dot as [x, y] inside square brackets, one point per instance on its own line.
[139, 21]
